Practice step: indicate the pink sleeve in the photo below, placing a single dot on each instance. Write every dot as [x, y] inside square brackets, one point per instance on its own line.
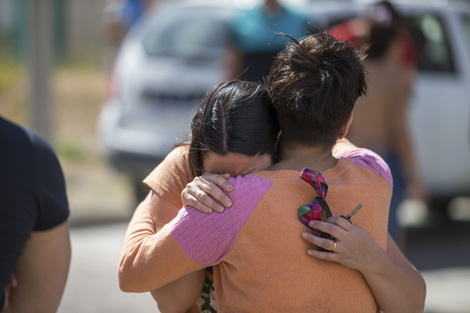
[206, 238]
[371, 160]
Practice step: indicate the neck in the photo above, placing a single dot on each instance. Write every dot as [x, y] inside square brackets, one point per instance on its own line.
[271, 6]
[299, 156]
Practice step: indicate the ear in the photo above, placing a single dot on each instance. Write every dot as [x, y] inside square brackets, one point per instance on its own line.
[345, 129]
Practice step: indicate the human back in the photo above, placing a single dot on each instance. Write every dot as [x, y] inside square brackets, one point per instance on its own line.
[34, 229]
[269, 247]
[375, 115]
[314, 84]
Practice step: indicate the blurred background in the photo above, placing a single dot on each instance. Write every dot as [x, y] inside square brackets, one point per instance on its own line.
[63, 74]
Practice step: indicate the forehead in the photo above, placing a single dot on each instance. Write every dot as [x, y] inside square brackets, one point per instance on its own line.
[234, 164]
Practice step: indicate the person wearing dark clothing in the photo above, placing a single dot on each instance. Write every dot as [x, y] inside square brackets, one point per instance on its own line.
[34, 232]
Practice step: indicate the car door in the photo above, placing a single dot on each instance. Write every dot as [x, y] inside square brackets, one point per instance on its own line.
[439, 112]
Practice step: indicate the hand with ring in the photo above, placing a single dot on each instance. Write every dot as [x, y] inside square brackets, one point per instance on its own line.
[352, 245]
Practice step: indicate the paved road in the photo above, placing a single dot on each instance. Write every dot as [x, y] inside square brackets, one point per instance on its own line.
[441, 253]
[92, 285]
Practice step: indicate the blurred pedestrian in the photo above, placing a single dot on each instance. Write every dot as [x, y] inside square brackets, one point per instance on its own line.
[117, 18]
[34, 230]
[380, 117]
[254, 45]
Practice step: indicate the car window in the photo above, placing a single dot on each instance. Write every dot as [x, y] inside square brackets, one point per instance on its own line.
[429, 35]
[466, 24]
[193, 36]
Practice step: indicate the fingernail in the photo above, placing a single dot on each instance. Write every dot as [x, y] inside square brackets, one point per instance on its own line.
[228, 203]
[304, 235]
[311, 223]
[229, 188]
[219, 208]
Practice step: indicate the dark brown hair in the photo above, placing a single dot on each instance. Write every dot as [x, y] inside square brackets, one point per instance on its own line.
[234, 117]
[314, 84]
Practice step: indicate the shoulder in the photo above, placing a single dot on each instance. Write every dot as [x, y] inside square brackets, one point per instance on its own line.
[178, 154]
[175, 164]
[368, 159]
[253, 182]
[44, 152]
[35, 173]
[171, 176]
[219, 230]
[248, 191]
[53, 208]
[177, 158]
[26, 146]
[15, 139]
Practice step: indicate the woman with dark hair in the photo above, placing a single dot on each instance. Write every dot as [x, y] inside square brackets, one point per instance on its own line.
[234, 132]
[242, 120]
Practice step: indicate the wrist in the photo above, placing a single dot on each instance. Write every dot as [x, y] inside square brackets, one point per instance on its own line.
[378, 262]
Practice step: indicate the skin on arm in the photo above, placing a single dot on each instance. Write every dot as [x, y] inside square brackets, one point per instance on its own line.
[42, 272]
[179, 295]
[396, 284]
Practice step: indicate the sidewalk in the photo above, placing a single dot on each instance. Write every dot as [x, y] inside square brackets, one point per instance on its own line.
[448, 290]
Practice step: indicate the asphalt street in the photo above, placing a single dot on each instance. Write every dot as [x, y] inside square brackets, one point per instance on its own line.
[441, 253]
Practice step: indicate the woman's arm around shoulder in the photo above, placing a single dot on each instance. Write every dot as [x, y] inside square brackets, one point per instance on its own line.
[395, 283]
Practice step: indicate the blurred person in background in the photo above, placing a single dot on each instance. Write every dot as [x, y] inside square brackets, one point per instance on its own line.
[380, 117]
[34, 229]
[117, 18]
[253, 43]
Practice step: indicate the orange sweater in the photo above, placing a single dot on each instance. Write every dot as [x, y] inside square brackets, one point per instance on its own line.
[260, 261]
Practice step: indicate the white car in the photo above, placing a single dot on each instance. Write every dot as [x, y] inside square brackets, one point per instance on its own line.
[165, 66]
[439, 111]
[171, 59]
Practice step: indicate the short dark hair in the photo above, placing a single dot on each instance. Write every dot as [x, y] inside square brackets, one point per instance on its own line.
[314, 84]
[234, 117]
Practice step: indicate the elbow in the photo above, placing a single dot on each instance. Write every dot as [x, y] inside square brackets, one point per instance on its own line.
[130, 285]
[422, 296]
[125, 283]
[129, 281]
[419, 298]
